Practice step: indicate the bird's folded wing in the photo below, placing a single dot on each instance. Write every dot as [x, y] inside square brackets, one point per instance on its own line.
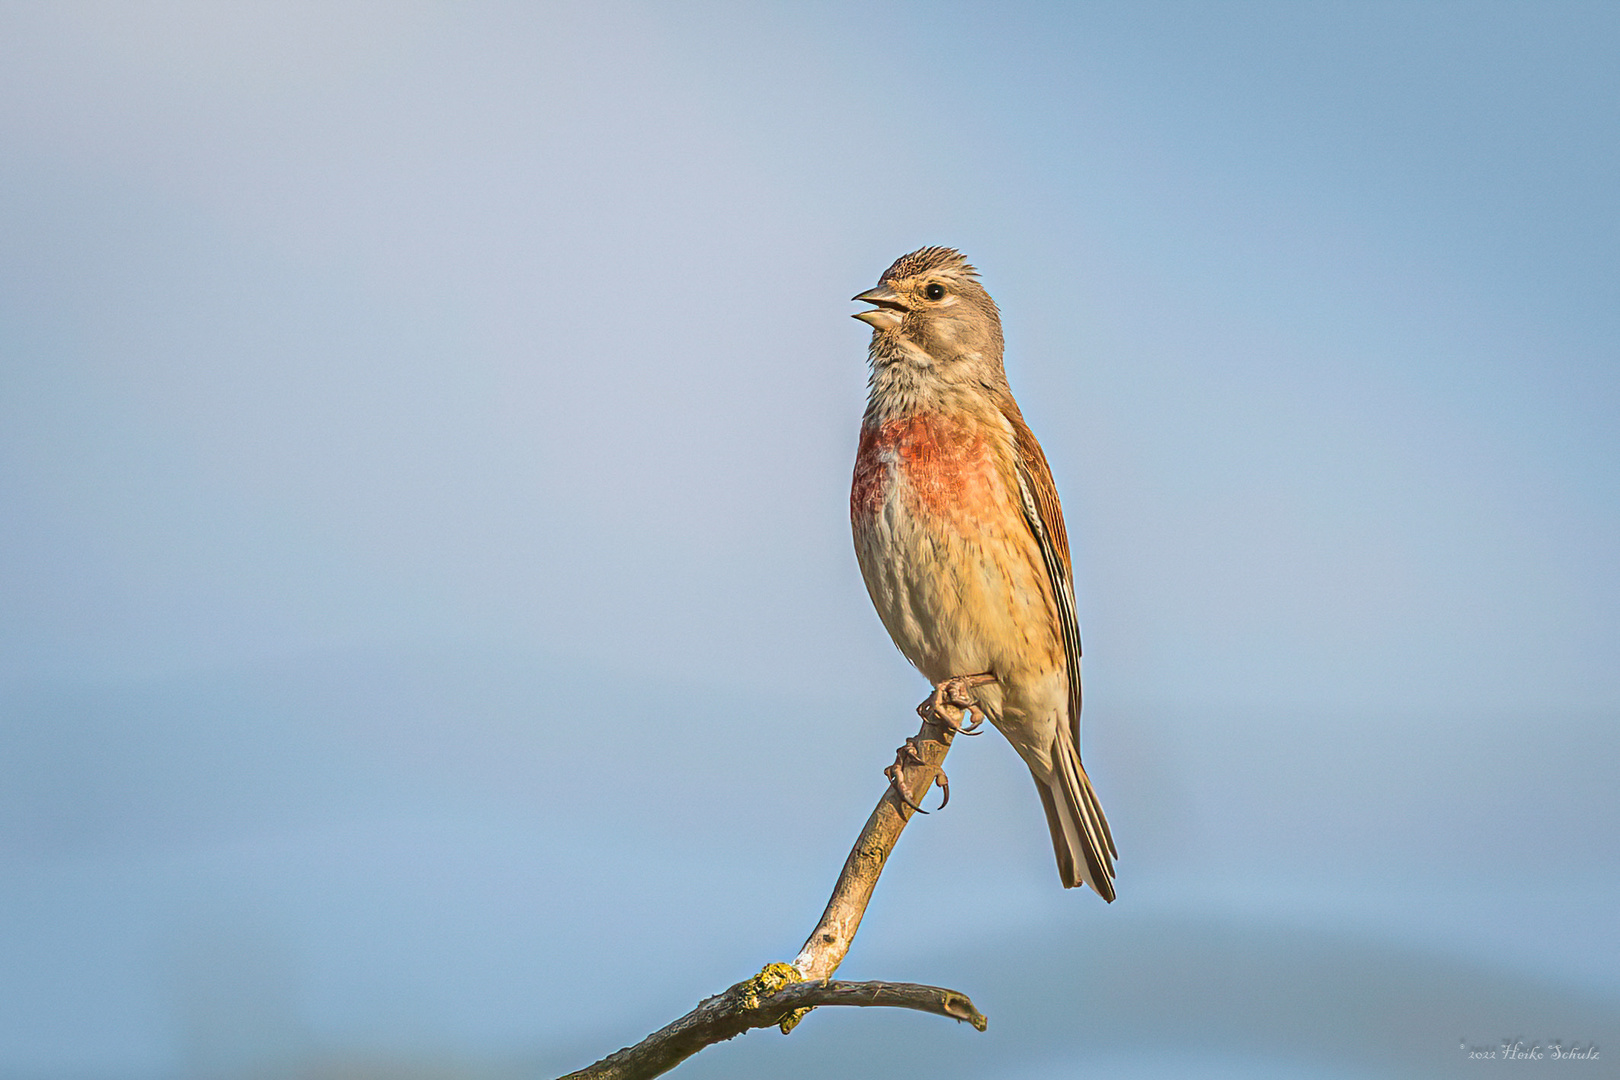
[1045, 519]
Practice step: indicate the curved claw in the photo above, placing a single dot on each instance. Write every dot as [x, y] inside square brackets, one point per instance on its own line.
[893, 774]
[956, 693]
[934, 713]
[953, 726]
[906, 751]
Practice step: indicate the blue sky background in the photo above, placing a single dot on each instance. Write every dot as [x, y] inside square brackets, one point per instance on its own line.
[432, 638]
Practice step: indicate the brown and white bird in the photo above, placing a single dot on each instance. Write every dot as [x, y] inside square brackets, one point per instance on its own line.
[960, 538]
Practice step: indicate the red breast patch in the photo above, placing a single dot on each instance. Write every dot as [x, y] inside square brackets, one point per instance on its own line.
[945, 465]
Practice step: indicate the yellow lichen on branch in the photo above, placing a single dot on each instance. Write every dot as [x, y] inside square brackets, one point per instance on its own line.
[781, 994]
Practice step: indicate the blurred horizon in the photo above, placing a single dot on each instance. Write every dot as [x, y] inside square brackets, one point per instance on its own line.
[434, 646]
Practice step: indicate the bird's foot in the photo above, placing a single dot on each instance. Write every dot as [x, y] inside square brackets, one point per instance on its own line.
[908, 754]
[951, 701]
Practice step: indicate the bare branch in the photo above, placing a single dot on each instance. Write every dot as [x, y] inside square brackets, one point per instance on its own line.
[740, 1009]
[824, 949]
[781, 994]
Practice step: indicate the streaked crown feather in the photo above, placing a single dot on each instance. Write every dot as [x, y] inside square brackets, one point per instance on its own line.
[925, 259]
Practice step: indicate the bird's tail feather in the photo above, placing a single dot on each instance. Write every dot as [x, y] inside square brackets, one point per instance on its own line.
[1080, 836]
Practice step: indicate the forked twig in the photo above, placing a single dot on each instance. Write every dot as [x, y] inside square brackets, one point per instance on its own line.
[781, 994]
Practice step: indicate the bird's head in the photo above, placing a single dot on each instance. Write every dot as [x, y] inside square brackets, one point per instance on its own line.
[930, 307]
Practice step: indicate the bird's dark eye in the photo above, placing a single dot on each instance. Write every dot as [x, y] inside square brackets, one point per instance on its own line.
[934, 291]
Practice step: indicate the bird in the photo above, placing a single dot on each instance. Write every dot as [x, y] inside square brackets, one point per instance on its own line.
[960, 539]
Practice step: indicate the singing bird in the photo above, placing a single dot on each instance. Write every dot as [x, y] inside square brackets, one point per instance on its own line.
[960, 539]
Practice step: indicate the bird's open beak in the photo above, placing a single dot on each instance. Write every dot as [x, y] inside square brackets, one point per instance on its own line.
[887, 313]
